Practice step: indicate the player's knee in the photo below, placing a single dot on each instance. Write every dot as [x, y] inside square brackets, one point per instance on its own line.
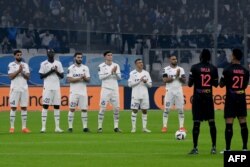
[229, 127]
[134, 111]
[57, 107]
[197, 124]
[180, 111]
[72, 110]
[243, 125]
[45, 106]
[102, 110]
[24, 108]
[13, 108]
[212, 124]
[167, 110]
[116, 110]
[84, 110]
[144, 111]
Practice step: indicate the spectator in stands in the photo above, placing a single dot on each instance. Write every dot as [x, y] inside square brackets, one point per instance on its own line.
[222, 59]
[55, 7]
[46, 38]
[19, 38]
[55, 44]
[6, 46]
[28, 41]
[64, 44]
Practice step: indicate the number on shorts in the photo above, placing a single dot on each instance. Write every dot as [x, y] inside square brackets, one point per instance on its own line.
[46, 100]
[13, 102]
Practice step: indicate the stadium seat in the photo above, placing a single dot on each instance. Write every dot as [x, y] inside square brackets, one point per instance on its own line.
[186, 67]
[42, 51]
[32, 51]
[72, 50]
[156, 70]
[4, 62]
[34, 64]
[24, 51]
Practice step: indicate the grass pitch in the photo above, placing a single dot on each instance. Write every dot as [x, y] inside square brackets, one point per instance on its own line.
[80, 149]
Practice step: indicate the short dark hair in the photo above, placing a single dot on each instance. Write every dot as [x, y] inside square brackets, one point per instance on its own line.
[139, 59]
[205, 55]
[17, 51]
[172, 56]
[237, 54]
[106, 52]
[77, 53]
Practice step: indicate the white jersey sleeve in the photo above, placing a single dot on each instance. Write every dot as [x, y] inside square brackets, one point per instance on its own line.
[103, 72]
[118, 72]
[132, 81]
[59, 67]
[87, 74]
[149, 80]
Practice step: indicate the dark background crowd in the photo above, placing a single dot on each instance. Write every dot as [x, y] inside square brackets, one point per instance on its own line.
[121, 24]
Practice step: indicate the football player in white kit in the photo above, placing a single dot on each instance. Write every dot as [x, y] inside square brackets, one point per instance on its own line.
[19, 74]
[51, 71]
[140, 81]
[109, 73]
[174, 77]
[78, 76]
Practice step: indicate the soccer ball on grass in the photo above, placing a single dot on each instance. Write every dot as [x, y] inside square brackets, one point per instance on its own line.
[180, 135]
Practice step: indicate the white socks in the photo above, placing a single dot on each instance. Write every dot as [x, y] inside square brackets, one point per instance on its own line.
[24, 118]
[133, 119]
[144, 121]
[84, 116]
[71, 119]
[57, 118]
[100, 118]
[181, 118]
[12, 118]
[44, 118]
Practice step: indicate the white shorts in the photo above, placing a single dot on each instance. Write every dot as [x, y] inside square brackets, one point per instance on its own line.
[142, 103]
[174, 97]
[19, 96]
[52, 97]
[78, 100]
[109, 96]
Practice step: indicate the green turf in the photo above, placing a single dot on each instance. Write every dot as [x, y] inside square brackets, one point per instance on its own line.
[109, 149]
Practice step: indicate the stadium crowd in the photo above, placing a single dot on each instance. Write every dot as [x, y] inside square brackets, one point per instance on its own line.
[154, 24]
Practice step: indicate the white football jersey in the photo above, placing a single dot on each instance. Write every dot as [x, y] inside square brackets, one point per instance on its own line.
[78, 72]
[19, 82]
[139, 88]
[171, 72]
[51, 82]
[108, 79]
